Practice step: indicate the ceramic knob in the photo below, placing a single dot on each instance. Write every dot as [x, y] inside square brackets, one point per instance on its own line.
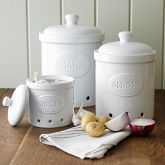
[6, 101]
[125, 36]
[71, 19]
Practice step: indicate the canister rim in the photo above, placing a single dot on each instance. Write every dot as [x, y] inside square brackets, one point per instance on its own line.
[71, 38]
[68, 83]
[124, 58]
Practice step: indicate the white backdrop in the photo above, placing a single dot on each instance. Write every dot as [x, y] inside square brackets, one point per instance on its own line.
[21, 20]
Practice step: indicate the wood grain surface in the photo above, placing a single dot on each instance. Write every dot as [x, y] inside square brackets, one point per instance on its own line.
[20, 145]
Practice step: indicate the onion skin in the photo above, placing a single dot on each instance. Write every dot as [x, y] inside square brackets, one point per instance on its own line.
[119, 122]
[142, 130]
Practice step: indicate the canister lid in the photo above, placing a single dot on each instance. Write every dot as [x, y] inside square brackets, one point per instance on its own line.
[17, 104]
[71, 32]
[125, 50]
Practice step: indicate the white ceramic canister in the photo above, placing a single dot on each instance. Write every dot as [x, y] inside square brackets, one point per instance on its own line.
[125, 78]
[68, 50]
[49, 101]
[51, 104]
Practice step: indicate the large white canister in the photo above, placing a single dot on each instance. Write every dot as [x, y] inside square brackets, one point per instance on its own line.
[68, 50]
[125, 78]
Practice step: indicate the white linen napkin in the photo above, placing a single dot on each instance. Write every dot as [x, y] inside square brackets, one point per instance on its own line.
[76, 142]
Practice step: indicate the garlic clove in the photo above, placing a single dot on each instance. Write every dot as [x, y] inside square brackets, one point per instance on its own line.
[118, 123]
[76, 119]
[81, 112]
[37, 81]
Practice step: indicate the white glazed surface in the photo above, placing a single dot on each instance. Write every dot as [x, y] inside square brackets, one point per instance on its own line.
[51, 105]
[67, 50]
[125, 82]
[126, 46]
[71, 32]
[75, 60]
[137, 98]
[17, 104]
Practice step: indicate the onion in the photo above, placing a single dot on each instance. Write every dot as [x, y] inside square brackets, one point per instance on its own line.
[118, 123]
[142, 126]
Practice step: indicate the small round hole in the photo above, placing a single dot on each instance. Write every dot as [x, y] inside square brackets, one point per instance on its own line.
[110, 114]
[88, 98]
[141, 114]
[50, 121]
[38, 120]
[61, 120]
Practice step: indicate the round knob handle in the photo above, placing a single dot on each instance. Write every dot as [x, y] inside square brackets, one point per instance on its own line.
[6, 101]
[71, 19]
[125, 36]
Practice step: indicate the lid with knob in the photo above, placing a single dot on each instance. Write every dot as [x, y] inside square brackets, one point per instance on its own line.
[17, 104]
[71, 32]
[125, 50]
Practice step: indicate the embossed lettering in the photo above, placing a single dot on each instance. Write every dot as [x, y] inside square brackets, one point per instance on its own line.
[72, 64]
[49, 104]
[126, 84]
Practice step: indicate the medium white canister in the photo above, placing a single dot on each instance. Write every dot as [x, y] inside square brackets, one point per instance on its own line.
[125, 78]
[68, 50]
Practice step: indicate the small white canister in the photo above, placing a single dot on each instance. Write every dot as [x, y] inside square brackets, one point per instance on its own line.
[49, 101]
[125, 78]
[51, 104]
[68, 50]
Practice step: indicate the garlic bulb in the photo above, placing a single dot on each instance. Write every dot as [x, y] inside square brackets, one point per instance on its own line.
[76, 120]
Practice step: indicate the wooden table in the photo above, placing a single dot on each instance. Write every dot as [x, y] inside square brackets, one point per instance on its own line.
[20, 145]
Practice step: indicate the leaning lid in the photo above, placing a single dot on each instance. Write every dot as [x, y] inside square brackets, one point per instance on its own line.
[17, 104]
[71, 32]
[125, 50]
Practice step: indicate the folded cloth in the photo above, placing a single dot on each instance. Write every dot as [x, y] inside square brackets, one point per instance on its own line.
[76, 142]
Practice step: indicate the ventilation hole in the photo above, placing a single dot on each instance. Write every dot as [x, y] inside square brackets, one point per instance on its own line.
[88, 98]
[38, 120]
[61, 120]
[50, 121]
[110, 114]
[141, 114]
